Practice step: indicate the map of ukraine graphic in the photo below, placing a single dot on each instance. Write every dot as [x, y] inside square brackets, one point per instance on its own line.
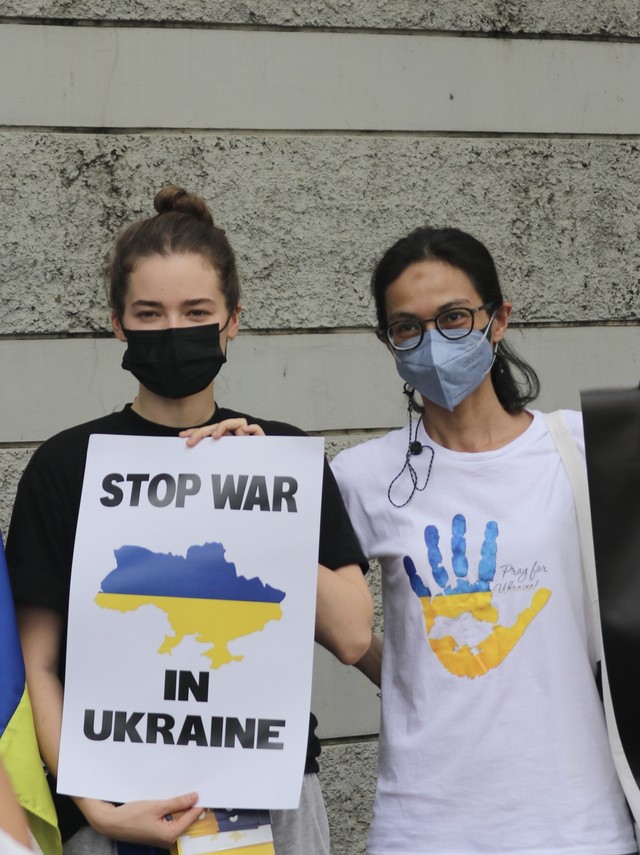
[201, 594]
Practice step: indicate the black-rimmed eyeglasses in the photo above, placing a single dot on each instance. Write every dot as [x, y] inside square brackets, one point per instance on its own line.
[453, 324]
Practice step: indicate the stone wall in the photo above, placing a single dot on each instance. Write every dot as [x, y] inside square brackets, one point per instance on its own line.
[319, 133]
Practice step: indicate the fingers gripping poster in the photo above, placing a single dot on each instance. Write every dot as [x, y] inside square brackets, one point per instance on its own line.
[191, 620]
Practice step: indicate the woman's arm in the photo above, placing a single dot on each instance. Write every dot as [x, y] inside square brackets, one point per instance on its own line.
[40, 634]
[344, 612]
[12, 818]
[137, 822]
[371, 663]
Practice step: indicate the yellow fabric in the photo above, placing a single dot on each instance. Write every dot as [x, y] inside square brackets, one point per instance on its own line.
[19, 754]
[258, 849]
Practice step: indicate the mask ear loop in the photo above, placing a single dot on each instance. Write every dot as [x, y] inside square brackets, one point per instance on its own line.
[495, 346]
[412, 447]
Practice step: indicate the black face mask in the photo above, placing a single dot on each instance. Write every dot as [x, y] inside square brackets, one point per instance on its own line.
[174, 362]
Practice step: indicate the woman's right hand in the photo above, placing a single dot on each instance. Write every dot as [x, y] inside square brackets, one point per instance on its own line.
[227, 427]
[155, 823]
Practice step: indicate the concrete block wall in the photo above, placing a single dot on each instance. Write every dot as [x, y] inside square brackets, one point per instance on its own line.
[319, 133]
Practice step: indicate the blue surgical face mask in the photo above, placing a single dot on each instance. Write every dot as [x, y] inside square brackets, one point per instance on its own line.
[446, 371]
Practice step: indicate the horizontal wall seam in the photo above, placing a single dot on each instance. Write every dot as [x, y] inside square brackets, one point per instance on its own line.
[184, 24]
[529, 326]
[18, 446]
[350, 740]
[336, 434]
[313, 132]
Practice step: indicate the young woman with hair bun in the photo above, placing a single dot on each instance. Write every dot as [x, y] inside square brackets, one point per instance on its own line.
[175, 301]
[493, 737]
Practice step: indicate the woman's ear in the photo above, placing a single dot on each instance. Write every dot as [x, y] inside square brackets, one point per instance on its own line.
[381, 335]
[234, 322]
[500, 321]
[116, 324]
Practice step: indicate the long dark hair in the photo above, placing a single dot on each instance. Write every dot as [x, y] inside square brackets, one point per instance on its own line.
[514, 380]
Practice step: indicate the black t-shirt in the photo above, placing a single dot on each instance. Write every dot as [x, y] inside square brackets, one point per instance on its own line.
[45, 514]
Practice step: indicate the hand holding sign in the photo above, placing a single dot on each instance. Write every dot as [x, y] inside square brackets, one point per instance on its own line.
[228, 427]
[155, 823]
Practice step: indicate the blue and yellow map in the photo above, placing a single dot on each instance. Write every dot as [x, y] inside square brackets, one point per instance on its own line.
[201, 593]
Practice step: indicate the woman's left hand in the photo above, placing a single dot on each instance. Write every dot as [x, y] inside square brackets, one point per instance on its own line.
[228, 427]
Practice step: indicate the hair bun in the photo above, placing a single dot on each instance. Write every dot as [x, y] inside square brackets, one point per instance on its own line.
[172, 198]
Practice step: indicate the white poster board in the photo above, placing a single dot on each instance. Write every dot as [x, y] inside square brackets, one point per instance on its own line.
[191, 620]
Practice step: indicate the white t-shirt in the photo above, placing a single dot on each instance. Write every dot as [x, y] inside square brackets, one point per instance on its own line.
[493, 737]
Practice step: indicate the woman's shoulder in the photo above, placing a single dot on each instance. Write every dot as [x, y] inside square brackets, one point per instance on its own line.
[68, 448]
[572, 419]
[368, 454]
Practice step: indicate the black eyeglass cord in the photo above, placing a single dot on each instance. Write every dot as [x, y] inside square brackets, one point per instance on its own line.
[414, 448]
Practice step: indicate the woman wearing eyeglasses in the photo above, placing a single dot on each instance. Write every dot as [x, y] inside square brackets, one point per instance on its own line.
[493, 737]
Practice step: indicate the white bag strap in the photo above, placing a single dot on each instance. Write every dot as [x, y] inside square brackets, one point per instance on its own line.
[577, 474]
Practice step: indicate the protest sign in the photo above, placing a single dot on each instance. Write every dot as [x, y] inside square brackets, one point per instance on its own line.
[191, 619]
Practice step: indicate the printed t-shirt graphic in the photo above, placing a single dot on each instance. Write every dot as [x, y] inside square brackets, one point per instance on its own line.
[451, 616]
[201, 594]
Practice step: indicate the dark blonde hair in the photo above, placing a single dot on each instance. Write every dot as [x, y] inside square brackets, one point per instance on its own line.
[183, 225]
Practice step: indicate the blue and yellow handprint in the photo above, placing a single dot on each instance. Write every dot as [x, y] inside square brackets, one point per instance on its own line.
[466, 597]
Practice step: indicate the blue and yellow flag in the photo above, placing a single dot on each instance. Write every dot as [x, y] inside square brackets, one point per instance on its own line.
[18, 745]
